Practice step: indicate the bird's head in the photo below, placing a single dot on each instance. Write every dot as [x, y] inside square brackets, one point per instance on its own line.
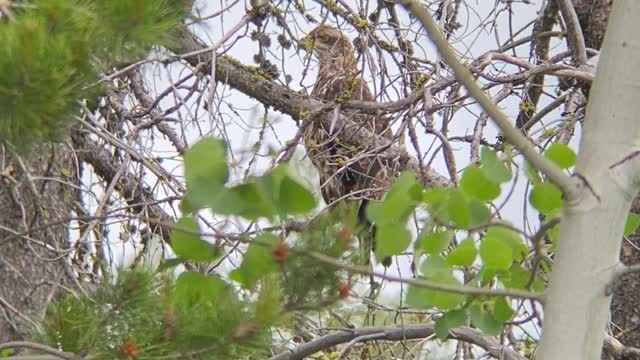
[326, 40]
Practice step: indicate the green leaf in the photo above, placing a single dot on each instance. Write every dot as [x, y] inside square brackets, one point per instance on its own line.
[502, 310]
[496, 253]
[194, 288]
[246, 200]
[475, 183]
[401, 198]
[493, 168]
[186, 242]
[205, 170]
[170, 263]
[437, 201]
[434, 243]
[459, 209]
[633, 221]
[373, 211]
[546, 197]
[518, 278]
[295, 199]
[463, 255]
[449, 320]
[561, 154]
[391, 239]
[484, 321]
[532, 174]
[510, 237]
[486, 275]
[435, 269]
[256, 264]
[480, 213]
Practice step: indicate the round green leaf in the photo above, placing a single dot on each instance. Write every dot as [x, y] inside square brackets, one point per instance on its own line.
[294, 198]
[493, 168]
[186, 242]
[449, 320]
[496, 253]
[511, 237]
[400, 200]
[257, 263]
[205, 169]
[480, 213]
[459, 209]
[435, 269]
[561, 154]
[437, 201]
[475, 183]
[502, 310]
[633, 221]
[434, 243]
[391, 239]
[546, 197]
[463, 255]
[484, 321]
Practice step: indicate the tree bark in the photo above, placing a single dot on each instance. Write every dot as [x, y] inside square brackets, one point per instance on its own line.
[576, 310]
[37, 197]
[625, 305]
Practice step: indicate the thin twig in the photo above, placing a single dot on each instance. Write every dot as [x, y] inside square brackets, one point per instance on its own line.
[567, 184]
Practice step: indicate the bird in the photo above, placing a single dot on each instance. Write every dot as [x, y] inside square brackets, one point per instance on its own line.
[347, 172]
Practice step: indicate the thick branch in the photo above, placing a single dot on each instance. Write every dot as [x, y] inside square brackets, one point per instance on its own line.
[574, 30]
[287, 101]
[408, 332]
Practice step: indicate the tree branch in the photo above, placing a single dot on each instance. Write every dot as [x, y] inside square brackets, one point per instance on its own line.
[135, 193]
[391, 333]
[567, 184]
[296, 105]
[574, 31]
[57, 354]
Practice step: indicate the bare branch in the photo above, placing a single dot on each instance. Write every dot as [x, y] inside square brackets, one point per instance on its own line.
[41, 348]
[393, 333]
[567, 184]
[575, 35]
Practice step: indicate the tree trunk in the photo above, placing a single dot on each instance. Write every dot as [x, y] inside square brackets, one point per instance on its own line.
[37, 195]
[625, 305]
[576, 308]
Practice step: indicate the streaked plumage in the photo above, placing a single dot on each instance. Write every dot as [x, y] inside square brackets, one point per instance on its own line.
[346, 170]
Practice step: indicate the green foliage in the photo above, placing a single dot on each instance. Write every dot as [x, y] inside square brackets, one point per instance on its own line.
[149, 316]
[501, 247]
[449, 321]
[257, 262]
[561, 155]
[435, 242]
[483, 182]
[187, 243]
[546, 198]
[275, 194]
[463, 255]
[391, 216]
[435, 268]
[51, 48]
[484, 320]
[633, 222]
